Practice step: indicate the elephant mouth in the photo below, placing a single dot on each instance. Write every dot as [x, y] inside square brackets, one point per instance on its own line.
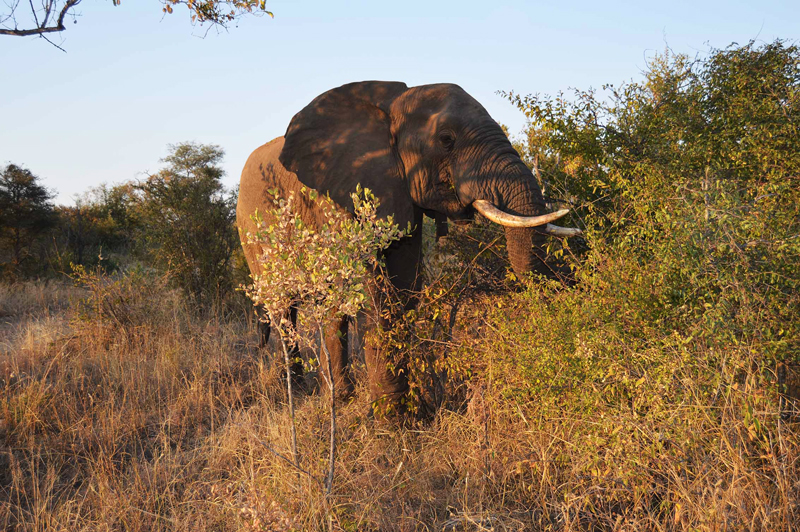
[449, 203]
[505, 219]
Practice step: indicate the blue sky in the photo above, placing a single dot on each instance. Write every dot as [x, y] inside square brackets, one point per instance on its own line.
[133, 81]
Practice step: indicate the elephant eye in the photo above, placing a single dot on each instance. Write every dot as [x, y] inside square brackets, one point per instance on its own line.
[447, 140]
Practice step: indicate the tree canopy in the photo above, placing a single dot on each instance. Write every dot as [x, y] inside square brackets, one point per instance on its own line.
[43, 17]
[25, 211]
[187, 218]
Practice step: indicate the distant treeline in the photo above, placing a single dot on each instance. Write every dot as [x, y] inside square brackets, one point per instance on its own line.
[180, 220]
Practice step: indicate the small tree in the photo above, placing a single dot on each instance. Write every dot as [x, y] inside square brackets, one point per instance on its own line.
[187, 220]
[324, 271]
[25, 211]
[115, 209]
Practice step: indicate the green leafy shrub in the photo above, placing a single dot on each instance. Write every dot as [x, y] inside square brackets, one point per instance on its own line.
[688, 185]
[661, 362]
[187, 222]
[323, 271]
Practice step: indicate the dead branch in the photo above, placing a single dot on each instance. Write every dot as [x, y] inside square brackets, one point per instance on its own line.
[46, 25]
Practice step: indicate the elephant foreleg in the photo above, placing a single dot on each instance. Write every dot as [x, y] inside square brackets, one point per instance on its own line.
[336, 344]
[388, 378]
[263, 330]
[388, 375]
[442, 229]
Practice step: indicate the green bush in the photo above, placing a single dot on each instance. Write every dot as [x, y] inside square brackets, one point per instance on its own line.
[688, 185]
[26, 214]
[663, 359]
[187, 222]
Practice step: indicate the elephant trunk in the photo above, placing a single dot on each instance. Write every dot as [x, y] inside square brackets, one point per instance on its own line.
[521, 210]
[525, 250]
[511, 198]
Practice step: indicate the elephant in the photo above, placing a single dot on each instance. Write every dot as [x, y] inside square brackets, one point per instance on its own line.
[425, 150]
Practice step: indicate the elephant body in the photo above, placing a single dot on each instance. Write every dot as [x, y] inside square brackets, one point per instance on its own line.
[254, 195]
[422, 150]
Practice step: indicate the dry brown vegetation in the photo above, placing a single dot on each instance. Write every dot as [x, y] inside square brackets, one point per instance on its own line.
[170, 424]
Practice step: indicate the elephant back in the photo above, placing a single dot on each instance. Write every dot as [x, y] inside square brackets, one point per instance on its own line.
[262, 172]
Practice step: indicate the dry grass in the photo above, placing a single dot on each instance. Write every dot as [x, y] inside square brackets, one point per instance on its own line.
[33, 312]
[169, 425]
[25, 298]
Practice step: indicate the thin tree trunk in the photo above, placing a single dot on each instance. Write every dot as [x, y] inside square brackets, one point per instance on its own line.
[329, 380]
[295, 455]
[17, 248]
[79, 239]
[706, 186]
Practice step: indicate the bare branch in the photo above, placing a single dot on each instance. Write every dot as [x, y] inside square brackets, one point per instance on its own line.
[47, 12]
[33, 10]
[332, 403]
[42, 20]
[40, 28]
[289, 377]
[51, 42]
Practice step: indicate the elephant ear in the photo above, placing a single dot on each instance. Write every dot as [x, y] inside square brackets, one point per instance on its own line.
[343, 139]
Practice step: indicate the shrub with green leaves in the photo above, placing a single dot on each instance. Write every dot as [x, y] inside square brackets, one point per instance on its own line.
[187, 221]
[326, 270]
[661, 365]
[323, 271]
[688, 184]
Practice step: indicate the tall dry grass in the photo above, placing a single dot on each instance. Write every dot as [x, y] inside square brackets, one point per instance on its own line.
[33, 311]
[173, 422]
[35, 297]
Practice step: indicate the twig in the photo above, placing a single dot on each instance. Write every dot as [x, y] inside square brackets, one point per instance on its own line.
[329, 380]
[289, 392]
[279, 455]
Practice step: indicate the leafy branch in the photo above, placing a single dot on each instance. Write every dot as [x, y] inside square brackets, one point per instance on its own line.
[325, 270]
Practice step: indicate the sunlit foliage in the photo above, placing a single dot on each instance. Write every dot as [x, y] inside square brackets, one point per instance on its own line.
[187, 221]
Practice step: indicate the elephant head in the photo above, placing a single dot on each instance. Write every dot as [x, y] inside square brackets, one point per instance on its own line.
[431, 147]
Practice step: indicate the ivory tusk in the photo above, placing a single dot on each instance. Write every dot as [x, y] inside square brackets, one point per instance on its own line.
[512, 220]
[557, 230]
